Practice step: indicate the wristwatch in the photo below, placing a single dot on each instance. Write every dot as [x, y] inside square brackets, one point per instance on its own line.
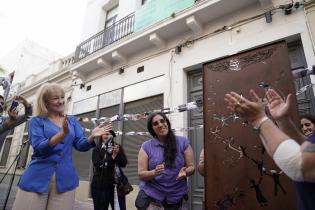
[256, 127]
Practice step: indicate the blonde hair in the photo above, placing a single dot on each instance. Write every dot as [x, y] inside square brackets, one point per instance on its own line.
[42, 98]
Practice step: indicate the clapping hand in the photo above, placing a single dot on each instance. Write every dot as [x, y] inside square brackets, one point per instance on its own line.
[159, 169]
[252, 110]
[182, 174]
[278, 108]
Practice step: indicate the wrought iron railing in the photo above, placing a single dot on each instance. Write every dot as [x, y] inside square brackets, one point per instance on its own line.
[117, 31]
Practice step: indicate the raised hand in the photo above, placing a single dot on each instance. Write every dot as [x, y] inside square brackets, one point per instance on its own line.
[101, 130]
[21, 99]
[252, 110]
[278, 108]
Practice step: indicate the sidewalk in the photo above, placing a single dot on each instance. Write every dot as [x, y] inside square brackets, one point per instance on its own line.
[3, 193]
[79, 205]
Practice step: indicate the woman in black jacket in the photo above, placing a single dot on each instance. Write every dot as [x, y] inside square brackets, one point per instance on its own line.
[105, 156]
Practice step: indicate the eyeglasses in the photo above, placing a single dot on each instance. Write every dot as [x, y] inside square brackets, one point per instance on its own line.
[156, 123]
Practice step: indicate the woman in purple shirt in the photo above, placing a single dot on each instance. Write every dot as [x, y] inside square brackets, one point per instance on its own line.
[164, 163]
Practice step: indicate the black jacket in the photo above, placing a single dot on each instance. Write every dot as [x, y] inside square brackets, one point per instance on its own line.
[104, 166]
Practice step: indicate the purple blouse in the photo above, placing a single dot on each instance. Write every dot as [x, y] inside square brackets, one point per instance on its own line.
[165, 186]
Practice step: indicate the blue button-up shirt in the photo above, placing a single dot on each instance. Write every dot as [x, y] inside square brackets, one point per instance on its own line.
[47, 160]
[165, 186]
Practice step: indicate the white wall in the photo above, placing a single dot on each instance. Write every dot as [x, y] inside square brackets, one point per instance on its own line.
[126, 7]
[245, 37]
[113, 81]
[94, 18]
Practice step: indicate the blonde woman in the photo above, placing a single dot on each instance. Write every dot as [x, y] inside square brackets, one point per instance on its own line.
[50, 179]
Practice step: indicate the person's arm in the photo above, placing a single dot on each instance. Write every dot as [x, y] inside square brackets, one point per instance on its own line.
[189, 167]
[297, 164]
[81, 143]
[297, 158]
[201, 165]
[271, 136]
[279, 110]
[143, 172]
[119, 156]
[19, 119]
[27, 106]
[5, 125]
[13, 120]
[308, 165]
[38, 139]
[189, 161]
[58, 137]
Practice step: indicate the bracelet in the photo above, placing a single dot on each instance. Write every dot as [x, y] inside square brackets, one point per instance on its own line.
[259, 124]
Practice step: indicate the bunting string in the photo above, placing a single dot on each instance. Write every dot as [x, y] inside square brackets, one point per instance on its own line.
[145, 133]
[134, 117]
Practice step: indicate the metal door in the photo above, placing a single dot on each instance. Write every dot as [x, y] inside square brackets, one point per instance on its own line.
[239, 174]
[196, 138]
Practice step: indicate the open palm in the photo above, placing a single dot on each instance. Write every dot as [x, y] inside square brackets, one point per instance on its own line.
[278, 108]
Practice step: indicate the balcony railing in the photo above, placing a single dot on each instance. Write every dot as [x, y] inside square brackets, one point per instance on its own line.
[106, 37]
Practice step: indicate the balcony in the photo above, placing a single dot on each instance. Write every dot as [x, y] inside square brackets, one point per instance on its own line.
[117, 31]
[114, 46]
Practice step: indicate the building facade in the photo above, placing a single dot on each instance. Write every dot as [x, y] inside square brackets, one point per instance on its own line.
[137, 56]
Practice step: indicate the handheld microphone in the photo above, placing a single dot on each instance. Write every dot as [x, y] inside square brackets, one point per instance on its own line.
[109, 142]
[110, 137]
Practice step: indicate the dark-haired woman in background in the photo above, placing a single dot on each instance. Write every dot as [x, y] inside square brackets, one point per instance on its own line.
[164, 163]
[307, 124]
[105, 156]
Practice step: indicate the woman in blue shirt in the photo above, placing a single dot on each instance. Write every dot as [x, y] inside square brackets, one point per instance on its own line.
[50, 179]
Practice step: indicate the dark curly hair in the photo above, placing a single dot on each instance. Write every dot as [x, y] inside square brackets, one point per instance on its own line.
[170, 150]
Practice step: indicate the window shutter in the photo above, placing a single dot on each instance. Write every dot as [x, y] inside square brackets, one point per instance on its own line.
[82, 160]
[132, 144]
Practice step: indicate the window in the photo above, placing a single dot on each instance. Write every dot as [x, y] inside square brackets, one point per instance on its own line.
[144, 1]
[82, 160]
[111, 16]
[6, 151]
[110, 112]
[25, 147]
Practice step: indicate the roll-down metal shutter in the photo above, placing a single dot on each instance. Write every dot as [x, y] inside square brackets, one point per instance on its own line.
[132, 144]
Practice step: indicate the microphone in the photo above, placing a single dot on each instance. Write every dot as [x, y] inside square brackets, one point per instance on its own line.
[109, 142]
[103, 145]
[110, 137]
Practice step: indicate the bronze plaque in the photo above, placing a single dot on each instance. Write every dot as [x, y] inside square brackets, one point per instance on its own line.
[239, 173]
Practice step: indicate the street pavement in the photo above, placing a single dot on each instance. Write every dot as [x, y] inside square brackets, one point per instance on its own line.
[3, 193]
